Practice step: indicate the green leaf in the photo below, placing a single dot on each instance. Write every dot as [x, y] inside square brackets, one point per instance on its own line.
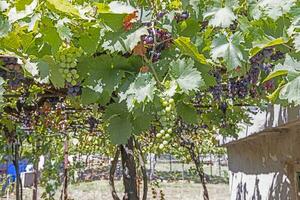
[64, 31]
[141, 121]
[221, 17]
[115, 109]
[258, 46]
[20, 4]
[56, 77]
[124, 41]
[119, 129]
[102, 8]
[89, 40]
[51, 35]
[229, 49]
[297, 42]
[63, 6]
[99, 73]
[89, 96]
[11, 41]
[114, 21]
[140, 91]
[188, 28]
[43, 67]
[272, 8]
[4, 26]
[186, 76]
[291, 68]
[275, 74]
[291, 91]
[274, 96]
[188, 48]
[187, 112]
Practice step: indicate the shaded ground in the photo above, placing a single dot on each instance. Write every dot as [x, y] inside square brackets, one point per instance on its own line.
[99, 190]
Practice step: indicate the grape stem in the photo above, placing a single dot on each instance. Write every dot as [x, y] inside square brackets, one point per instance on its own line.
[152, 55]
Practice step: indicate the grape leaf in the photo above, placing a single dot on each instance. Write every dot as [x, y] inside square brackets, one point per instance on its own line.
[272, 8]
[119, 129]
[31, 67]
[297, 42]
[291, 68]
[20, 4]
[63, 6]
[186, 76]
[275, 74]
[63, 30]
[221, 17]
[115, 109]
[4, 26]
[188, 48]
[187, 112]
[229, 49]
[11, 41]
[56, 77]
[188, 28]
[141, 90]
[51, 35]
[124, 42]
[43, 67]
[121, 7]
[113, 20]
[89, 40]
[141, 120]
[291, 91]
[267, 42]
[89, 96]
[99, 69]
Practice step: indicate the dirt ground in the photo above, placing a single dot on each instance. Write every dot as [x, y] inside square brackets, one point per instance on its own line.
[99, 190]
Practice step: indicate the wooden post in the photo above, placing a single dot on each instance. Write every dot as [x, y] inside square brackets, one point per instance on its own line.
[211, 165]
[129, 171]
[66, 162]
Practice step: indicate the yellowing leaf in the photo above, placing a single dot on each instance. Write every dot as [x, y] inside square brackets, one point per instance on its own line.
[265, 44]
[188, 48]
[63, 6]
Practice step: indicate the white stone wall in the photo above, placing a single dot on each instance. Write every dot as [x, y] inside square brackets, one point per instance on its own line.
[261, 168]
[257, 187]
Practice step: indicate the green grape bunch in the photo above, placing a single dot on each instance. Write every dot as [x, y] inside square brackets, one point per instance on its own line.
[167, 119]
[67, 59]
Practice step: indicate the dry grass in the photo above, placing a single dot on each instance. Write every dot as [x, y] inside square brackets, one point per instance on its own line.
[99, 190]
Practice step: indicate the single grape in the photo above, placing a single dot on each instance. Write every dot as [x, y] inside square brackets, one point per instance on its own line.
[73, 82]
[161, 146]
[74, 71]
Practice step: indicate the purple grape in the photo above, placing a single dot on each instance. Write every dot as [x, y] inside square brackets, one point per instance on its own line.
[149, 39]
[267, 52]
[160, 15]
[277, 56]
[74, 91]
[156, 56]
[223, 107]
[184, 15]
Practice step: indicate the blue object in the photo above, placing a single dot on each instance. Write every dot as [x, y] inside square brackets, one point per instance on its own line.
[11, 171]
